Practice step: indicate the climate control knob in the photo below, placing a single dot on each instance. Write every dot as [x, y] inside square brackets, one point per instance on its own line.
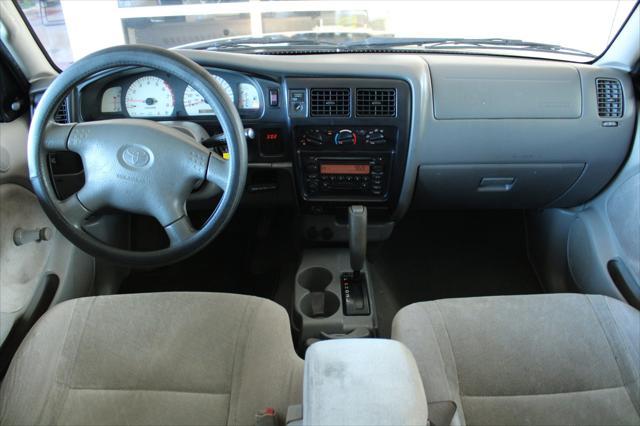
[345, 137]
[313, 137]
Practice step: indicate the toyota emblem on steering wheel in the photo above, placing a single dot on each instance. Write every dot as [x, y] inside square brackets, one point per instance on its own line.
[135, 156]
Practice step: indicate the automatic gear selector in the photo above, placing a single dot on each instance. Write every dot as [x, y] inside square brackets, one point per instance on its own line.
[355, 297]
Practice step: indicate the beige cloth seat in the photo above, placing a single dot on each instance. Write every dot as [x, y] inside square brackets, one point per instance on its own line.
[164, 358]
[545, 359]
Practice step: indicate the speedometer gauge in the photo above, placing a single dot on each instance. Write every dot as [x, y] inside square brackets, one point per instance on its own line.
[149, 96]
[194, 103]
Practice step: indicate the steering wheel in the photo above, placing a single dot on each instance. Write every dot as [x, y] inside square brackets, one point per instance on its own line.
[137, 166]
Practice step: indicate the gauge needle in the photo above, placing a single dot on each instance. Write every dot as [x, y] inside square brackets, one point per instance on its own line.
[148, 101]
[194, 103]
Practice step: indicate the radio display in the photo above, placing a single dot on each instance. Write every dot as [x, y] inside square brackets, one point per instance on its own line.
[344, 169]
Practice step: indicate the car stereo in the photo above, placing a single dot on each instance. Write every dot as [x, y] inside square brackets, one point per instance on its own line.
[345, 163]
[342, 176]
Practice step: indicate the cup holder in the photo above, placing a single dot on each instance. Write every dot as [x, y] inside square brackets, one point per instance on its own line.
[315, 279]
[319, 304]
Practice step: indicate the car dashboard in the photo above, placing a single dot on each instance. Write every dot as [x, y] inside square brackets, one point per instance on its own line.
[393, 131]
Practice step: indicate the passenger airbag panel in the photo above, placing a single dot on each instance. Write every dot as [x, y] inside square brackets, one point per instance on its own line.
[498, 90]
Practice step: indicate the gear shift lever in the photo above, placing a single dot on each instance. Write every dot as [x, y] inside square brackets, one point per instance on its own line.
[357, 238]
[355, 296]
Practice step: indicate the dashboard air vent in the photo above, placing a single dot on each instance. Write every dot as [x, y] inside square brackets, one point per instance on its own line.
[62, 113]
[376, 102]
[609, 92]
[330, 102]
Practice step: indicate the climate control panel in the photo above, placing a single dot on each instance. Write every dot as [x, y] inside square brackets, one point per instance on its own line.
[345, 163]
[359, 138]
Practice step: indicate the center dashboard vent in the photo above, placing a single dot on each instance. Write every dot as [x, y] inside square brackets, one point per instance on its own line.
[330, 102]
[609, 93]
[376, 102]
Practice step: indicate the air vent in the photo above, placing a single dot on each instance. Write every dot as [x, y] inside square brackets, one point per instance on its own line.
[376, 102]
[330, 102]
[609, 92]
[62, 113]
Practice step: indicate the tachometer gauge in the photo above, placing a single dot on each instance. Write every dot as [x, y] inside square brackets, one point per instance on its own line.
[149, 96]
[248, 97]
[112, 100]
[194, 103]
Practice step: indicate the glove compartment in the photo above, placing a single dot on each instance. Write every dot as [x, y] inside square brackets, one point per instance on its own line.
[494, 185]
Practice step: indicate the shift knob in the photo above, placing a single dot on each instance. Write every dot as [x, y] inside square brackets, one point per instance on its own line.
[357, 237]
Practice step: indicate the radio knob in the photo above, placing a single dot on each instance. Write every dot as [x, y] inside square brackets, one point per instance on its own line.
[345, 137]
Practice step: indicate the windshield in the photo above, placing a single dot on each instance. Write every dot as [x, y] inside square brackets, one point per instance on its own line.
[569, 30]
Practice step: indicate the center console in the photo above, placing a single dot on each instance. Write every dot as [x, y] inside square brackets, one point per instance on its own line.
[352, 163]
[350, 140]
[332, 296]
[327, 303]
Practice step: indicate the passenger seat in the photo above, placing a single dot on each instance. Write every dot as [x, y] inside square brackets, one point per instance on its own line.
[555, 359]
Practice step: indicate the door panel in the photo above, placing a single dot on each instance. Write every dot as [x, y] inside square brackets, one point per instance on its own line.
[13, 151]
[606, 235]
[33, 274]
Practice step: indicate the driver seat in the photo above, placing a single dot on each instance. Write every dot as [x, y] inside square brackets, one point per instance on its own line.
[160, 358]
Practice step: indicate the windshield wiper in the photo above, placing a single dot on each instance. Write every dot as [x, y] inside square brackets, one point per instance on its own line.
[461, 43]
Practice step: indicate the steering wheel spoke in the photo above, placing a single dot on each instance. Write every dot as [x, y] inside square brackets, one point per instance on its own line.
[180, 230]
[56, 136]
[74, 211]
[218, 171]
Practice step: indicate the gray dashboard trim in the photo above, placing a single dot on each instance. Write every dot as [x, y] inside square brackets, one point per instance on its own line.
[536, 140]
[478, 140]
[409, 68]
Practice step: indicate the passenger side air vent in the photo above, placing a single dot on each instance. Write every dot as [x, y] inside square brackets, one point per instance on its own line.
[376, 102]
[609, 92]
[330, 102]
[62, 113]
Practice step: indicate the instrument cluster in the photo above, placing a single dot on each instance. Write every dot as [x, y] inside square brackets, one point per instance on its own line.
[157, 95]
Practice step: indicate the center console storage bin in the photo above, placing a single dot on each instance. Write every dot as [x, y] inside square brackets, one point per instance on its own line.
[362, 382]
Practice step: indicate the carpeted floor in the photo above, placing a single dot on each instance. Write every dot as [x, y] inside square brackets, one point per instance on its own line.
[247, 258]
[445, 254]
[430, 255]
